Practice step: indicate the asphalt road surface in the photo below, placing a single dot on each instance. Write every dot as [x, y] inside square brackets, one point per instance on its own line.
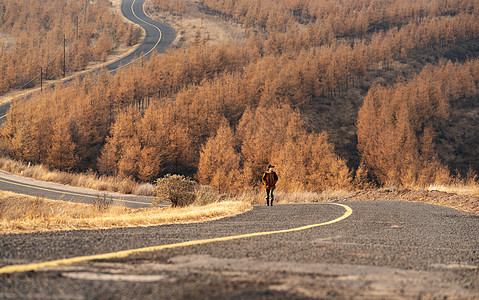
[48, 190]
[158, 37]
[384, 250]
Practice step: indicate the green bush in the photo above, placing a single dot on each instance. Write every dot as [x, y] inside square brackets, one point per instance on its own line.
[178, 189]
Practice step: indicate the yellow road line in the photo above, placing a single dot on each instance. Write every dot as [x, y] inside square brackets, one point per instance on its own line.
[140, 57]
[157, 42]
[68, 193]
[125, 253]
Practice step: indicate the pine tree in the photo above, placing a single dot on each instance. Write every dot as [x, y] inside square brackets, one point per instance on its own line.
[219, 161]
[62, 153]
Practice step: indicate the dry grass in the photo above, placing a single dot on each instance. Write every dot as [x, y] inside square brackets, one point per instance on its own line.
[193, 20]
[471, 189]
[116, 7]
[19, 214]
[91, 181]
[7, 41]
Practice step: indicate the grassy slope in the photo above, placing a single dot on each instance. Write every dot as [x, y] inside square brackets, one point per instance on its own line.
[460, 202]
[19, 214]
[337, 116]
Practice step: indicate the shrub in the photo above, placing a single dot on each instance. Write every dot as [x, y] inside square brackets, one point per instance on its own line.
[103, 202]
[178, 189]
[144, 189]
[126, 186]
[205, 195]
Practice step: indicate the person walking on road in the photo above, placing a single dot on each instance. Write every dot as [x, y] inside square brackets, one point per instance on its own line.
[269, 179]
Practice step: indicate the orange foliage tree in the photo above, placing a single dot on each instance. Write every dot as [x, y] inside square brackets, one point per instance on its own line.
[38, 29]
[397, 126]
[147, 146]
[276, 134]
[225, 111]
[219, 164]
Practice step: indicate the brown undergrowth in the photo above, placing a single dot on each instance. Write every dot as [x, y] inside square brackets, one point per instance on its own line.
[21, 214]
[196, 22]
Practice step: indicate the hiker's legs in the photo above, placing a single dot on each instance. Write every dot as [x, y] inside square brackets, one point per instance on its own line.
[269, 196]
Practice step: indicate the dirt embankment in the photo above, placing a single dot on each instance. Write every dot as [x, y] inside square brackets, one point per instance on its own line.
[461, 202]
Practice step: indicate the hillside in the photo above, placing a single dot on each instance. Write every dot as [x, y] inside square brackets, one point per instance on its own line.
[36, 39]
[455, 142]
[335, 95]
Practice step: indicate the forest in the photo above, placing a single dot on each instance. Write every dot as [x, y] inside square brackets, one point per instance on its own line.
[41, 29]
[338, 95]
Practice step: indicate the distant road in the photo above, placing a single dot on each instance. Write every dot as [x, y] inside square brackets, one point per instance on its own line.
[158, 37]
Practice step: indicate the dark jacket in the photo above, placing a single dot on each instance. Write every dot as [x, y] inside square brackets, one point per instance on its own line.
[269, 180]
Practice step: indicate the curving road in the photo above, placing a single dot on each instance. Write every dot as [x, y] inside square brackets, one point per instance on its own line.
[157, 39]
[383, 250]
[49, 190]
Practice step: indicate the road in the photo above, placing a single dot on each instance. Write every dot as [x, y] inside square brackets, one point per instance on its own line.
[49, 190]
[383, 250]
[157, 38]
